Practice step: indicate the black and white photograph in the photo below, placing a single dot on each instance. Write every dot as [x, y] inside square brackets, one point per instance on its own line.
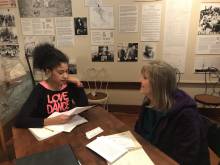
[80, 24]
[31, 41]
[128, 52]
[45, 8]
[8, 35]
[28, 48]
[149, 51]
[209, 21]
[9, 50]
[72, 69]
[7, 18]
[102, 53]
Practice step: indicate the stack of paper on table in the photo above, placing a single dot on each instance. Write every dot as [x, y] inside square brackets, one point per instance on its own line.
[135, 156]
[51, 130]
[106, 148]
[120, 149]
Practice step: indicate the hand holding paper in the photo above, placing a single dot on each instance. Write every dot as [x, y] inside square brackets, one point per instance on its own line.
[64, 117]
[76, 110]
[70, 119]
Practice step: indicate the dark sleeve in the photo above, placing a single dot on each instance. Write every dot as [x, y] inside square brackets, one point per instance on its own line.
[26, 118]
[83, 100]
[79, 95]
[187, 142]
[141, 125]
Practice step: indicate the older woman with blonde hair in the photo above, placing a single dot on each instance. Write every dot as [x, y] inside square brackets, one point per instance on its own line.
[169, 118]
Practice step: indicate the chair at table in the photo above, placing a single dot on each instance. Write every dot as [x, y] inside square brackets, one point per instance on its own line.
[98, 86]
[4, 143]
[213, 136]
[210, 98]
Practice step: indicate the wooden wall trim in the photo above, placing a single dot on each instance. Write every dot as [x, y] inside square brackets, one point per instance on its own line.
[136, 85]
[212, 113]
[114, 85]
[131, 109]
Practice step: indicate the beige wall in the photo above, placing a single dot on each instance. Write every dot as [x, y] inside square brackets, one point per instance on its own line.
[127, 72]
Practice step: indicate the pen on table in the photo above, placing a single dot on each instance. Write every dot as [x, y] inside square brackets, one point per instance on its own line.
[49, 129]
[79, 162]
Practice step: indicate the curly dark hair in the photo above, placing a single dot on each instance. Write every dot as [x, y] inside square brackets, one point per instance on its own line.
[46, 56]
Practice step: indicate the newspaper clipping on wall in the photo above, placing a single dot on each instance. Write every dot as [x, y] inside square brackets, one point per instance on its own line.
[208, 39]
[128, 18]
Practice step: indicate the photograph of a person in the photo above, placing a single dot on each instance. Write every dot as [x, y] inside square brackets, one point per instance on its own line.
[72, 69]
[28, 48]
[6, 18]
[149, 51]
[80, 24]
[9, 50]
[45, 8]
[209, 22]
[128, 52]
[8, 35]
[102, 53]
[31, 41]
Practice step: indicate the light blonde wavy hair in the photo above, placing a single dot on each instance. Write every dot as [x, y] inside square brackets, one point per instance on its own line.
[162, 78]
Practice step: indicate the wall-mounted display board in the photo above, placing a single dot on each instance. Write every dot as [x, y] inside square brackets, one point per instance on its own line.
[122, 35]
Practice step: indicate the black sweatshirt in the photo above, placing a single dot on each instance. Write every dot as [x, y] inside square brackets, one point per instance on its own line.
[42, 102]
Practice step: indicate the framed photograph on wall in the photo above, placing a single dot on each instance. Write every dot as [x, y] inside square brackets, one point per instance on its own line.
[80, 25]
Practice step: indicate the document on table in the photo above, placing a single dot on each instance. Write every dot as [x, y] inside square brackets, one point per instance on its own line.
[107, 149]
[43, 133]
[136, 156]
[51, 130]
[120, 149]
[125, 139]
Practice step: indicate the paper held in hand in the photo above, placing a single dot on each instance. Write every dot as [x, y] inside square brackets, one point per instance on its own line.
[76, 110]
[51, 130]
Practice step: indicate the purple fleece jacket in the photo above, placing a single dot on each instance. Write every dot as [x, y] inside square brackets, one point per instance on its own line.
[180, 132]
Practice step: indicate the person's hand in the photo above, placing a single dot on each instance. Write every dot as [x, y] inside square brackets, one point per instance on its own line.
[75, 80]
[61, 119]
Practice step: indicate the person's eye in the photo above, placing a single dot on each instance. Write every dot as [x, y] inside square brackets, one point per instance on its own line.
[60, 72]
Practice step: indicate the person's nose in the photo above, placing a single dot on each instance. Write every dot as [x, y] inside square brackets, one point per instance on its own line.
[65, 75]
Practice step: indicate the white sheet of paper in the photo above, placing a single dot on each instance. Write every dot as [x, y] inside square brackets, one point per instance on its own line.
[51, 130]
[43, 133]
[107, 149]
[73, 111]
[134, 157]
[122, 141]
[76, 120]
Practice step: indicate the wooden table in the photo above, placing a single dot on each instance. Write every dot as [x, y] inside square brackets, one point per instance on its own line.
[26, 144]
